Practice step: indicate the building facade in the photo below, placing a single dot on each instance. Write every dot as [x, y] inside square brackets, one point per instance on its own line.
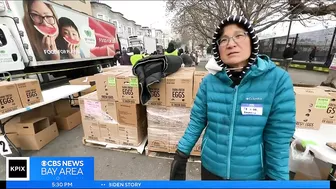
[81, 5]
[146, 31]
[125, 27]
[138, 29]
[159, 37]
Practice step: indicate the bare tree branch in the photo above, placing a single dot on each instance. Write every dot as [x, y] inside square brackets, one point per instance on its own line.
[198, 18]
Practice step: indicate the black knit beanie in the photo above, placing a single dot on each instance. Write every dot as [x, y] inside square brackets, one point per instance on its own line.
[254, 42]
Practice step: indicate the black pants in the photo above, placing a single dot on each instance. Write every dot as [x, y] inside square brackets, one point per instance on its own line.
[207, 175]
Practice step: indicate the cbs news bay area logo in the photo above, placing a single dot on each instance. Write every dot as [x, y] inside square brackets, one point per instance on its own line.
[64, 167]
[45, 168]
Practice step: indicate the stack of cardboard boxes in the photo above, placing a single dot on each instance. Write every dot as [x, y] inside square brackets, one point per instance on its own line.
[314, 106]
[88, 80]
[168, 111]
[113, 113]
[33, 129]
[19, 94]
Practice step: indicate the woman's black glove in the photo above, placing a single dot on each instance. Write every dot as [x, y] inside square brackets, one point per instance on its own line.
[179, 166]
[268, 178]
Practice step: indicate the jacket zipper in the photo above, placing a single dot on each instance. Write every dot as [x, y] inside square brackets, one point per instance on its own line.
[228, 170]
[262, 155]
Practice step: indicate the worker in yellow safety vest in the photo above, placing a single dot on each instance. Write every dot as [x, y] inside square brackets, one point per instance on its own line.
[136, 56]
[171, 50]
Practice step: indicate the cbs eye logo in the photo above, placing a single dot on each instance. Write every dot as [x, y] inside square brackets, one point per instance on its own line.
[44, 163]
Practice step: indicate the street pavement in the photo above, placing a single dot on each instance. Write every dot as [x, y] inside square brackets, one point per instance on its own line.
[113, 165]
[298, 76]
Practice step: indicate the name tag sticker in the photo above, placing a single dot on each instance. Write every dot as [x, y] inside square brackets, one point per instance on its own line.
[251, 109]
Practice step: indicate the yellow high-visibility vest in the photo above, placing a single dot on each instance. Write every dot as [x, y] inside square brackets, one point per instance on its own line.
[135, 58]
[172, 53]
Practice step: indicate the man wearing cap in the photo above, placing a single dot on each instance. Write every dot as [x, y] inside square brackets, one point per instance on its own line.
[246, 109]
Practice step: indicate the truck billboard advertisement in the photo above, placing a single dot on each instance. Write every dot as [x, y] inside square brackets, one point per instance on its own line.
[58, 33]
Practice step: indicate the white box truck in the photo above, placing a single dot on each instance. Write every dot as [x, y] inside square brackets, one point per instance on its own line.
[42, 36]
[143, 43]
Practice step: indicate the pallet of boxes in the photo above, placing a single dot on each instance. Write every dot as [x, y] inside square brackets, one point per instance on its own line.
[34, 128]
[87, 80]
[315, 107]
[168, 111]
[112, 116]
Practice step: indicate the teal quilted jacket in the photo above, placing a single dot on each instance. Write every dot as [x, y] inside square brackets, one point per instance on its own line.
[236, 144]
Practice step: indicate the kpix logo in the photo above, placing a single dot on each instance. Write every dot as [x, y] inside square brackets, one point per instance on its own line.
[17, 168]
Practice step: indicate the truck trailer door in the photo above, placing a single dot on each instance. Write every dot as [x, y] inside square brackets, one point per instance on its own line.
[10, 57]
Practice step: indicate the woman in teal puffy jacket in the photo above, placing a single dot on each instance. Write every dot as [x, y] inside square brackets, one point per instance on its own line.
[246, 108]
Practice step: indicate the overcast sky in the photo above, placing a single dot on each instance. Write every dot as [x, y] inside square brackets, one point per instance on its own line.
[146, 13]
[153, 14]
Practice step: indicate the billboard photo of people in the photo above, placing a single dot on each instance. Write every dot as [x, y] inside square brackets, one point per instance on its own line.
[72, 35]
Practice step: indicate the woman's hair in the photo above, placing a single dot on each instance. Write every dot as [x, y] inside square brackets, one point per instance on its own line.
[34, 36]
[221, 31]
[170, 48]
[64, 22]
[136, 51]
[180, 51]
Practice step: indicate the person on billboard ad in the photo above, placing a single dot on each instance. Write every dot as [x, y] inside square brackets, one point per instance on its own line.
[40, 22]
[68, 40]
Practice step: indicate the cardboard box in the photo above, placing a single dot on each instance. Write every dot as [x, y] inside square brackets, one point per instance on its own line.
[128, 88]
[174, 138]
[62, 106]
[107, 69]
[131, 114]
[9, 97]
[109, 132]
[43, 111]
[109, 109]
[158, 140]
[107, 85]
[311, 107]
[193, 69]
[330, 117]
[179, 89]
[173, 146]
[158, 92]
[40, 139]
[124, 68]
[30, 91]
[91, 130]
[197, 149]
[88, 80]
[11, 126]
[32, 126]
[14, 138]
[94, 110]
[132, 136]
[90, 107]
[68, 119]
[198, 77]
[118, 68]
